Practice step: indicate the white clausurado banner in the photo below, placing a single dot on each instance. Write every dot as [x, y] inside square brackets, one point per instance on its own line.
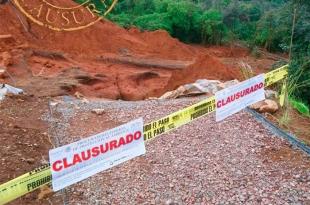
[235, 98]
[77, 161]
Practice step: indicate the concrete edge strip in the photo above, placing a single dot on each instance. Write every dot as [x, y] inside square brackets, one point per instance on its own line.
[279, 132]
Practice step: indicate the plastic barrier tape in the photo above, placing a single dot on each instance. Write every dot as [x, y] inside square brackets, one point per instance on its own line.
[42, 176]
[283, 93]
[178, 118]
[276, 75]
[25, 184]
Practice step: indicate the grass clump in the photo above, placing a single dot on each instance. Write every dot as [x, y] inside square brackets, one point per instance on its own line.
[300, 107]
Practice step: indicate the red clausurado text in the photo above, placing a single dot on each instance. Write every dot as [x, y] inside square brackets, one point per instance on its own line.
[95, 151]
[239, 94]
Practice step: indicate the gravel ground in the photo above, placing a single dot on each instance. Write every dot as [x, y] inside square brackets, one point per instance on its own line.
[236, 161]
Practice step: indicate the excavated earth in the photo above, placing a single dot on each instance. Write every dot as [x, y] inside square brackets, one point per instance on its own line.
[107, 61]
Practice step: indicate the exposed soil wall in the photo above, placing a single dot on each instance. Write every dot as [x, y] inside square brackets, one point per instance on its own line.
[139, 65]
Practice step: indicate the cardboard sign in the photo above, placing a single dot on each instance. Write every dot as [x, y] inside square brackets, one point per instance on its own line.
[235, 98]
[77, 161]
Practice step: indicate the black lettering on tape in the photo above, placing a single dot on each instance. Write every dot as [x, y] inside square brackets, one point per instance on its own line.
[204, 105]
[176, 117]
[159, 131]
[171, 126]
[163, 121]
[3, 190]
[38, 183]
[201, 112]
[147, 136]
[147, 127]
[37, 170]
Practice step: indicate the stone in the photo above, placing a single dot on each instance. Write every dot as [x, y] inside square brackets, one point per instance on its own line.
[258, 105]
[78, 95]
[171, 202]
[230, 83]
[269, 106]
[98, 111]
[173, 94]
[201, 86]
[270, 94]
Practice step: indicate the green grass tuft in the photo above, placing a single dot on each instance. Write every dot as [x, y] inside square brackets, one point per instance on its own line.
[300, 107]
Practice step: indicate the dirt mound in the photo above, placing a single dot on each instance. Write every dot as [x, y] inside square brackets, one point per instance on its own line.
[162, 42]
[229, 52]
[205, 66]
[103, 37]
[135, 65]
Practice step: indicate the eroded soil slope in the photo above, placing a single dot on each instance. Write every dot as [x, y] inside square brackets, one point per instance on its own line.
[106, 61]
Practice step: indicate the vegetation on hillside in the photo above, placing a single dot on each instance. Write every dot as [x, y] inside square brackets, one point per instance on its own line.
[258, 23]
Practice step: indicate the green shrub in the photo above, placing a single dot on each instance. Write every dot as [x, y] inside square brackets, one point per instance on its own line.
[213, 28]
[122, 19]
[153, 22]
[299, 75]
[300, 107]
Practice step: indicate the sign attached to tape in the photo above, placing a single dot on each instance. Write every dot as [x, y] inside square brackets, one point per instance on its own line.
[41, 176]
[77, 161]
[235, 98]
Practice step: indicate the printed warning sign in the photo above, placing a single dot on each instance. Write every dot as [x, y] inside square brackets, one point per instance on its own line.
[77, 161]
[233, 99]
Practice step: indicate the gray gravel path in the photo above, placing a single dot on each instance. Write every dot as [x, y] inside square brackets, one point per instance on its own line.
[236, 161]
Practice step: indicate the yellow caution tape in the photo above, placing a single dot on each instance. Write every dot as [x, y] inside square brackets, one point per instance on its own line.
[283, 94]
[200, 109]
[276, 75]
[178, 118]
[42, 176]
[25, 184]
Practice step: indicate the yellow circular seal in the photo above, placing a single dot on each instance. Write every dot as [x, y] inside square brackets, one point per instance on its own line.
[68, 16]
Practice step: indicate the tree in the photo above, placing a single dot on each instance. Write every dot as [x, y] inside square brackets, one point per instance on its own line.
[213, 29]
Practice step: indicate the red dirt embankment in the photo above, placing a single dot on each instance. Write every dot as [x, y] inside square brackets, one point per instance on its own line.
[103, 60]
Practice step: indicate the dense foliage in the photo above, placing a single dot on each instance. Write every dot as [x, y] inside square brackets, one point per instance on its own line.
[265, 23]
[258, 23]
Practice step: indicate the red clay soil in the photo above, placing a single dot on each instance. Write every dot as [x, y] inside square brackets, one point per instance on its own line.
[103, 37]
[50, 63]
[24, 142]
[200, 65]
[297, 124]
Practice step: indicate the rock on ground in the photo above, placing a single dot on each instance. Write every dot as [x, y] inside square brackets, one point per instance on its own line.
[269, 106]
